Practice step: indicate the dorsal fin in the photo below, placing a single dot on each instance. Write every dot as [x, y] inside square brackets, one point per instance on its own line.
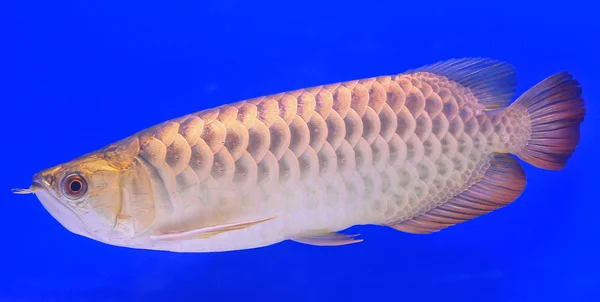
[502, 183]
[491, 81]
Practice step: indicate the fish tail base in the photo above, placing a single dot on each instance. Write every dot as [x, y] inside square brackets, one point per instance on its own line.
[556, 111]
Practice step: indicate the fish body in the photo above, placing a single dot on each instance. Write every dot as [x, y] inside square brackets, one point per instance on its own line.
[418, 151]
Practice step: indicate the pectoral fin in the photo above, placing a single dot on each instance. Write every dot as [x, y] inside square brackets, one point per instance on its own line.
[327, 239]
[207, 232]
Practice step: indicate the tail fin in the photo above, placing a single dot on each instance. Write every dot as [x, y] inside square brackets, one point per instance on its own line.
[556, 111]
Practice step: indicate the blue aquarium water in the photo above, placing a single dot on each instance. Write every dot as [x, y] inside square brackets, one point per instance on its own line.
[78, 75]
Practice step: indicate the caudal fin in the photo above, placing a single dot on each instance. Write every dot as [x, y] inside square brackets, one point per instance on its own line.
[556, 111]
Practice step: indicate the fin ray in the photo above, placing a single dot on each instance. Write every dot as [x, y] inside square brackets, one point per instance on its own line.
[556, 111]
[207, 232]
[483, 197]
[492, 82]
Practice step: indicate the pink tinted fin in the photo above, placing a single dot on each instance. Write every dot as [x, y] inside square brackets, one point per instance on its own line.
[328, 239]
[502, 183]
[556, 111]
[492, 82]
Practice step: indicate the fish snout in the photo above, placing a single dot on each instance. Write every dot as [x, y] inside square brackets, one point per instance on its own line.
[37, 183]
[37, 180]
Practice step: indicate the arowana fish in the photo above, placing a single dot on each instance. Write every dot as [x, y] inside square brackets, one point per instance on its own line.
[418, 151]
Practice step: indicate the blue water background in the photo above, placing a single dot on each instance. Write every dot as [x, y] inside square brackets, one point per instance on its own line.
[77, 75]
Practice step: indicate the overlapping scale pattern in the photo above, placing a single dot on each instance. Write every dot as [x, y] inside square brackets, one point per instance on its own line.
[377, 150]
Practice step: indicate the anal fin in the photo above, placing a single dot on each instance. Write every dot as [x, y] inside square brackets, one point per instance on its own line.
[327, 239]
[502, 183]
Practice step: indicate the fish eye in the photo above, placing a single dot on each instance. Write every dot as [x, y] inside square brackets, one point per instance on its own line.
[74, 186]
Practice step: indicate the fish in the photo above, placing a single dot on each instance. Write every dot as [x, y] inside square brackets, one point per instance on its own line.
[418, 152]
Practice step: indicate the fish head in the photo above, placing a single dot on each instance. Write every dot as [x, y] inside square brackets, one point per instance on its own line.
[85, 195]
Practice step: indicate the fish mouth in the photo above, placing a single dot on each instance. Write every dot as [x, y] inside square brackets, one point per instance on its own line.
[64, 214]
[38, 182]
